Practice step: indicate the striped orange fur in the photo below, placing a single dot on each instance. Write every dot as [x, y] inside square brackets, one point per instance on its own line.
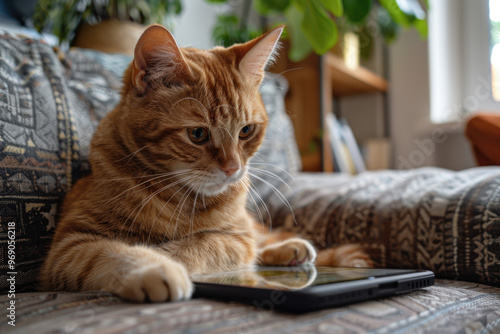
[166, 196]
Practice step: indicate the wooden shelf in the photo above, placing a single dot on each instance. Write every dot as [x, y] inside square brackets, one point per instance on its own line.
[347, 81]
[311, 94]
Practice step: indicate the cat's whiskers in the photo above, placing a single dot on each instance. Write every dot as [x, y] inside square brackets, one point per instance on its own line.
[95, 179]
[191, 222]
[270, 174]
[274, 166]
[151, 196]
[145, 201]
[277, 192]
[253, 190]
[245, 183]
[131, 155]
[183, 200]
[163, 207]
[256, 208]
[274, 176]
[164, 177]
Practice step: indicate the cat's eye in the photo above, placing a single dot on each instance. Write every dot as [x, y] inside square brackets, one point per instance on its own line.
[198, 135]
[247, 131]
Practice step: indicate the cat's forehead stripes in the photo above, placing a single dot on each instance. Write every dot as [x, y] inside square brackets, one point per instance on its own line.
[225, 97]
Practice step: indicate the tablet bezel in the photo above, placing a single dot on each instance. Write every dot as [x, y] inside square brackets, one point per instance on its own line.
[318, 296]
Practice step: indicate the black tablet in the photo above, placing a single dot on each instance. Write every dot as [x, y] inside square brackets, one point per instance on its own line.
[308, 288]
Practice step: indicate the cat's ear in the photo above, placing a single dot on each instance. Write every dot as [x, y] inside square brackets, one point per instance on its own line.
[258, 53]
[157, 53]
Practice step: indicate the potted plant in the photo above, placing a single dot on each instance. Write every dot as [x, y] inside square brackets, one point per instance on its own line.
[315, 25]
[106, 25]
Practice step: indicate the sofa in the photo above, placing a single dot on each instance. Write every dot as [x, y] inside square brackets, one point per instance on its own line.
[445, 221]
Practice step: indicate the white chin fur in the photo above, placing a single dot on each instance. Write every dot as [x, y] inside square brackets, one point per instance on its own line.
[215, 187]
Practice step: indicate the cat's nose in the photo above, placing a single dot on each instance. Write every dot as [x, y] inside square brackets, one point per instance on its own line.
[230, 171]
[230, 168]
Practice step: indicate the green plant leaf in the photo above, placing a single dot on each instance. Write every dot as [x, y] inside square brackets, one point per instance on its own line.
[64, 16]
[300, 5]
[365, 39]
[269, 7]
[216, 1]
[300, 47]
[146, 15]
[320, 30]
[42, 14]
[388, 28]
[177, 6]
[223, 31]
[421, 27]
[333, 6]
[227, 31]
[397, 14]
[356, 11]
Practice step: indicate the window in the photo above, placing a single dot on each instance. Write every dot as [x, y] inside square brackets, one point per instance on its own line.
[461, 57]
[495, 47]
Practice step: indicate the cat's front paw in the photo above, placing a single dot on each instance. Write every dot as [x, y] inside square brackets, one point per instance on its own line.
[291, 252]
[168, 281]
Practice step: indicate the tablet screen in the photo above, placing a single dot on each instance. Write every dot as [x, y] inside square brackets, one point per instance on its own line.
[294, 278]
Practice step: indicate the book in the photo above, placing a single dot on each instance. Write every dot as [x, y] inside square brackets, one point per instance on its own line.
[346, 153]
[340, 160]
[355, 152]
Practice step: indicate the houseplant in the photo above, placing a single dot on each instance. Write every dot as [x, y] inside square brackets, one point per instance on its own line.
[69, 18]
[315, 25]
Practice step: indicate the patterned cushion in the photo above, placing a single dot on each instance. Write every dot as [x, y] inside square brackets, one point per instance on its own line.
[436, 219]
[447, 307]
[49, 108]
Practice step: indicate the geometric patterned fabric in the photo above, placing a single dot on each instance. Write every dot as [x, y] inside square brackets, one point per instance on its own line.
[446, 307]
[431, 218]
[49, 108]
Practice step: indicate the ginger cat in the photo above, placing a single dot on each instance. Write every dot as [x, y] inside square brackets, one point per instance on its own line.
[166, 197]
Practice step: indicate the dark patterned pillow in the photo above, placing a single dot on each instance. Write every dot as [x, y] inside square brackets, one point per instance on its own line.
[431, 218]
[49, 108]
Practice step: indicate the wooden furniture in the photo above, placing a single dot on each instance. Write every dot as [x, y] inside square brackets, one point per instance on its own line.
[314, 84]
[351, 81]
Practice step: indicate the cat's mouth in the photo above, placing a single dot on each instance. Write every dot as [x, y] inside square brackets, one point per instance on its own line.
[216, 185]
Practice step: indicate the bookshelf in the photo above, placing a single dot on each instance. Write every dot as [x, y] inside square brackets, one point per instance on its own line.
[346, 81]
[314, 84]
[337, 81]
